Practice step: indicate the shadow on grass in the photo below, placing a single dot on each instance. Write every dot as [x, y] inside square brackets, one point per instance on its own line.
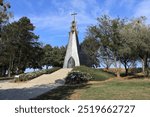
[110, 72]
[125, 75]
[61, 93]
[133, 76]
[136, 77]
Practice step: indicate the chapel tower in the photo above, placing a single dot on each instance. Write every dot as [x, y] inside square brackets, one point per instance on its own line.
[72, 53]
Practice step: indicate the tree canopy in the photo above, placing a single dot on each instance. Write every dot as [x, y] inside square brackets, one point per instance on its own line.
[121, 41]
[18, 38]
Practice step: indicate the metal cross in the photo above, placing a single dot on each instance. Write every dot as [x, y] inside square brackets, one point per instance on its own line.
[74, 15]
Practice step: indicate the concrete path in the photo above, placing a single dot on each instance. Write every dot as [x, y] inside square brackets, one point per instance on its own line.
[32, 88]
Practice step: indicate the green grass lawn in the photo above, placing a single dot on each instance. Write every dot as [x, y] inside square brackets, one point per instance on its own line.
[117, 89]
[97, 74]
[104, 86]
[114, 89]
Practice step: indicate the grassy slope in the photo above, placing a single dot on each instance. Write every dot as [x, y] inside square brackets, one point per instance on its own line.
[114, 89]
[97, 74]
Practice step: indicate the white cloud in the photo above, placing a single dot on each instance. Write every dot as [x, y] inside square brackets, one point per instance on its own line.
[47, 21]
[60, 18]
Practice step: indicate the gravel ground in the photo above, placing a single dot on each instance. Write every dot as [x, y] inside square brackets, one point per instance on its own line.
[32, 88]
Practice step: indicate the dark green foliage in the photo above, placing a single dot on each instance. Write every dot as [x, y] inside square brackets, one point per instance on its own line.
[6, 78]
[58, 56]
[49, 71]
[47, 59]
[21, 49]
[36, 57]
[88, 53]
[77, 77]
[53, 56]
[32, 75]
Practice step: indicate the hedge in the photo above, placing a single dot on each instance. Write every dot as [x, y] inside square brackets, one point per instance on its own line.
[77, 77]
[32, 75]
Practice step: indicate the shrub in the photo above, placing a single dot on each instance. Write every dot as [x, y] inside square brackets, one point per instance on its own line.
[97, 74]
[6, 78]
[32, 75]
[76, 77]
[49, 71]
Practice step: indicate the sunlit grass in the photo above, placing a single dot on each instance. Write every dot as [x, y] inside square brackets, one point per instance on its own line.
[104, 86]
[114, 89]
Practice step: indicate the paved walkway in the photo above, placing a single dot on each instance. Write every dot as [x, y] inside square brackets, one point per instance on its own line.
[32, 88]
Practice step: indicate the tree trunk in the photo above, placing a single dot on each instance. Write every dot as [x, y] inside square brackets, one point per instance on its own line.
[11, 62]
[3, 71]
[143, 67]
[126, 71]
[107, 67]
[115, 64]
[117, 67]
[119, 70]
[146, 65]
[9, 72]
[9, 68]
[107, 64]
[19, 62]
[118, 74]
[145, 62]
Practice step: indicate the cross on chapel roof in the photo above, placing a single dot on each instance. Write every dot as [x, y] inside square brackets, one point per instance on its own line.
[74, 16]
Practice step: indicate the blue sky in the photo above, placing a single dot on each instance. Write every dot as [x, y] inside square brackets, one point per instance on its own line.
[53, 20]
